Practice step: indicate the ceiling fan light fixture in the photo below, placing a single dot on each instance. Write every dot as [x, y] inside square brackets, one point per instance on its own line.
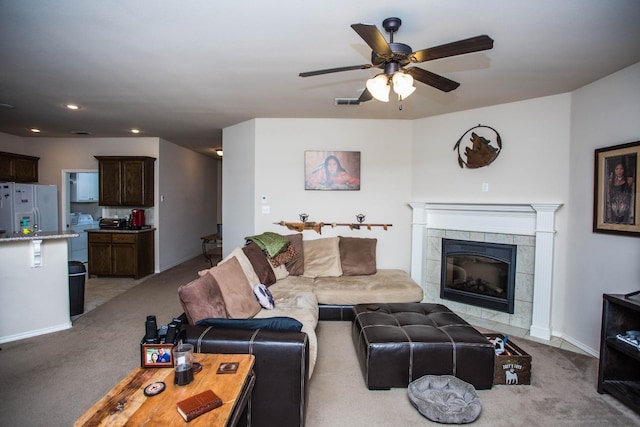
[403, 84]
[379, 87]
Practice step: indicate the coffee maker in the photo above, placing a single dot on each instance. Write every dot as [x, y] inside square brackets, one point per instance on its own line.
[137, 218]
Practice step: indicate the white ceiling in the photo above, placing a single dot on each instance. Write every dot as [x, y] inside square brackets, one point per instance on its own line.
[183, 70]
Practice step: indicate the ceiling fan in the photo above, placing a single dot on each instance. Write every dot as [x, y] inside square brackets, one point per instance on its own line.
[393, 57]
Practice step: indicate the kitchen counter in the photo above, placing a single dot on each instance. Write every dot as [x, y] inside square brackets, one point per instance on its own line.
[34, 284]
[41, 235]
[121, 252]
[119, 230]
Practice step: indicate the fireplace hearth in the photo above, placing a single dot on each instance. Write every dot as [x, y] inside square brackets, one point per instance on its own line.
[479, 273]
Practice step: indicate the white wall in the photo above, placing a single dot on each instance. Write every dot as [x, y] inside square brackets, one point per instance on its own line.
[187, 181]
[604, 113]
[280, 144]
[238, 184]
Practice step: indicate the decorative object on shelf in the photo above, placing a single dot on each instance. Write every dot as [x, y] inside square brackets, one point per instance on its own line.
[360, 218]
[317, 226]
[304, 217]
[616, 204]
[332, 170]
[480, 152]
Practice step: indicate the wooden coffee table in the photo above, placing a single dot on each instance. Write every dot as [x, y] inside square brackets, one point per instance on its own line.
[126, 403]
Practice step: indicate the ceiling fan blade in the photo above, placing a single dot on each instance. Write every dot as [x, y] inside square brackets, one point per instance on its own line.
[431, 79]
[373, 37]
[365, 96]
[335, 70]
[473, 44]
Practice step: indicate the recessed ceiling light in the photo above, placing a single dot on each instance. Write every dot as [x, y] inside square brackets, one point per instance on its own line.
[72, 106]
[35, 130]
[135, 130]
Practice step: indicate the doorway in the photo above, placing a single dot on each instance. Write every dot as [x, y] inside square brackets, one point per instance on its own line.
[80, 208]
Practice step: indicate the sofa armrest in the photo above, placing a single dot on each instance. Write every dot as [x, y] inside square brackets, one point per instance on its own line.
[281, 366]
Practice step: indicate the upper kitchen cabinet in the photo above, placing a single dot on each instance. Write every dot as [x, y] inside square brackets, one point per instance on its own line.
[18, 168]
[126, 181]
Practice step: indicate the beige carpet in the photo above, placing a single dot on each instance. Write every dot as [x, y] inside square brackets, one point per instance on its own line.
[562, 392]
[52, 379]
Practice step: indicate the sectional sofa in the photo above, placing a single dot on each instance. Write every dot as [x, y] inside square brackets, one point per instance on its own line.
[309, 280]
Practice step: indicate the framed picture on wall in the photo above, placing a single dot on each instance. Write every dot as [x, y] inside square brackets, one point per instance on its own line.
[332, 170]
[616, 202]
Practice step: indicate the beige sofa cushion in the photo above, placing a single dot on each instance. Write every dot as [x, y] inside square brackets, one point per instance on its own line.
[358, 256]
[322, 257]
[236, 291]
[247, 268]
[292, 300]
[387, 285]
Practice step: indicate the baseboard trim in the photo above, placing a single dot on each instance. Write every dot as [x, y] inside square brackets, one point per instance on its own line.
[35, 332]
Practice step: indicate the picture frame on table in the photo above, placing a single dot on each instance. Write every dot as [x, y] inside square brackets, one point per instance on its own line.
[156, 355]
[332, 170]
[616, 204]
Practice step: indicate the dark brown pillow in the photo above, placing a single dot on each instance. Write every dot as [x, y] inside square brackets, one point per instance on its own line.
[358, 256]
[260, 264]
[202, 299]
[295, 266]
[238, 294]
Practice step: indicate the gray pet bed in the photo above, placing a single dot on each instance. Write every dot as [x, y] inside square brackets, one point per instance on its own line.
[445, 399]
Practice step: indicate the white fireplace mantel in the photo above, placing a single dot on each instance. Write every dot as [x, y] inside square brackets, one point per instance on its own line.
[534, 219]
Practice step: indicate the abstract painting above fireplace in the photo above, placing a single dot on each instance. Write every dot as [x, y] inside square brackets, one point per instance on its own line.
[479, 273]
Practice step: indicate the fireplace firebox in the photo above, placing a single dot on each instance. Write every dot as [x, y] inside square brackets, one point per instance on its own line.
[479, 273]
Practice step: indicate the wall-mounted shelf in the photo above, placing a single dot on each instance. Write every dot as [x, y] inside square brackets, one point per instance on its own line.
[317, 226]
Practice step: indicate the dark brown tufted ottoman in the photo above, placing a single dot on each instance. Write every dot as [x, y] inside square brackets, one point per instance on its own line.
[401, 342]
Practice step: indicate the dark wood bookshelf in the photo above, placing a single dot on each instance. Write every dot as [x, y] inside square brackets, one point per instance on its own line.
[619, 367]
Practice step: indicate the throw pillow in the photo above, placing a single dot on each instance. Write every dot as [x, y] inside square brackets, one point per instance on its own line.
[260, 264]
[264, 296]
[237, 293]
[322, 257]
[296, 265]
[246, 265]
[283, 257]
[202, 299]
[278, 323]
[358, 256]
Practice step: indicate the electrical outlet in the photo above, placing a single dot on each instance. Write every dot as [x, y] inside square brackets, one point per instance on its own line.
[485, 187]
[266, 209]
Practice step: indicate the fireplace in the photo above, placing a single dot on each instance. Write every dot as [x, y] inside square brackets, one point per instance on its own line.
[529, 226]
[479, 273]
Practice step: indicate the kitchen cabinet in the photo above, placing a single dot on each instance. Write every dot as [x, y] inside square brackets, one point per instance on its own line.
[18, 168]
[619, 368]
[85, 187]
[126, 181]
[121, 253]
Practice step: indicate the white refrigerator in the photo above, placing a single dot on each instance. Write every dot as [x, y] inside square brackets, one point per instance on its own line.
[37, 204]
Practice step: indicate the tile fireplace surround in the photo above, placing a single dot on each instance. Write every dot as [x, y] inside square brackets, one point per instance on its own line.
[530, 226]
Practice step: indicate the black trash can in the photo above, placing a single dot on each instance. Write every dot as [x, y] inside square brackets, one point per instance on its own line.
[77, 275]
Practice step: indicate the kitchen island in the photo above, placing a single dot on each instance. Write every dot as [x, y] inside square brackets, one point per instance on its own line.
[34, 284]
